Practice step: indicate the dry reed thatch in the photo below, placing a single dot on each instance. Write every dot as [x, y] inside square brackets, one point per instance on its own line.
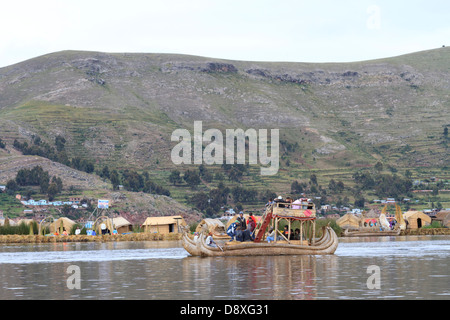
[86, 238]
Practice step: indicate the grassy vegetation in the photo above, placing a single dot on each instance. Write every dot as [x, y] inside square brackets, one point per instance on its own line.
[21, 229]
[10, 206]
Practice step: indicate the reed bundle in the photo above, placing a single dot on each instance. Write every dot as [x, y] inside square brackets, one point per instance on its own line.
[14, 238]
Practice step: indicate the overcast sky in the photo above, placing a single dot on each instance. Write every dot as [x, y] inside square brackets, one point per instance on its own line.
[258, 30]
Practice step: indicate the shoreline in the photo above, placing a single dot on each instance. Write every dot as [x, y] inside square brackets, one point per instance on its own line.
[426, 232]
[86, 238]
[4, 239]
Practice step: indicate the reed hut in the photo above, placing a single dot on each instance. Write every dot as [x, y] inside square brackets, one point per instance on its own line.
[163, 225]
[122, 225]
[349, 221]
[7, 222]
[416, 219]
[25, 221]
[61, 225]
[444, 218]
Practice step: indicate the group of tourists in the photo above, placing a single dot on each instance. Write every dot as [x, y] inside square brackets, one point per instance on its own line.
[242, 230]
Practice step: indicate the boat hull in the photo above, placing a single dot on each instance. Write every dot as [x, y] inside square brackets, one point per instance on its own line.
[362, 233]
[327, 244]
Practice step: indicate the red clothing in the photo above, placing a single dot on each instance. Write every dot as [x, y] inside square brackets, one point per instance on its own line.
[251, 222]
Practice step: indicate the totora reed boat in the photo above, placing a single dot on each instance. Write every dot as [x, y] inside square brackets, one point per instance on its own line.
[367, 226]
[274, 213]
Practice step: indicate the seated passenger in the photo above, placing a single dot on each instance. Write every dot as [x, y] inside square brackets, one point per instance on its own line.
[279, 201]
[238, 235]
[231, 231]
[297, 234]
[210, 241]
[271, 236]
[289, 202]
[247, 235]
[286, 232]
[297, 204]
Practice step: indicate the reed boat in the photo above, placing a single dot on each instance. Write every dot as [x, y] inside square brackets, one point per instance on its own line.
[382, 227]
[370, 233]
[306, 245]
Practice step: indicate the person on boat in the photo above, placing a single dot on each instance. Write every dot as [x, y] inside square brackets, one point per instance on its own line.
[280, 201]
[269, 202]
[289, 202]
[239, 235]
[251, 222]
[287, 234]
[297, 234]
[210, 241]
[241, 221]
[271, 236]
[195, 236]
[243, 234]
[231, 231]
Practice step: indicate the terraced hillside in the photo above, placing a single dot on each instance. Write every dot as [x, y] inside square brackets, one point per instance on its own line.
[120, 109]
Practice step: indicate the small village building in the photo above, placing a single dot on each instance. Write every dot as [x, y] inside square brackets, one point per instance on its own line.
[5, 221]
[444, 218]
[75, 200]
[25, 221]
[416, 219]
[164, 225]
[61, 225]
[122, 225]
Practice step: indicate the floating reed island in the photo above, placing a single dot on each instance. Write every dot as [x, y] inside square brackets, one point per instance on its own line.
[86, 238]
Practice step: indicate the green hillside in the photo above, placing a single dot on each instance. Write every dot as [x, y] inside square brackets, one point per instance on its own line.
[334, 119]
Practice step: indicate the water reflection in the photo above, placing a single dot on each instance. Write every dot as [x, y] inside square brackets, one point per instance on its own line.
[281, 277]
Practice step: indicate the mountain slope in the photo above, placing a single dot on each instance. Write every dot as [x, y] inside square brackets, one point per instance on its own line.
[121, 109]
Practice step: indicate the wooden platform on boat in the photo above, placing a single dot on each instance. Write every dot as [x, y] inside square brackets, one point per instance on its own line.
[290, 210]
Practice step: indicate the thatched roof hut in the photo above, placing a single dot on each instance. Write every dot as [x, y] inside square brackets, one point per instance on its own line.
[25, 221]
[61, 225]
[212, 225]
[7, 221]
[122, 225]
[349, 221]
[416, 219]
[444, 218]
[163, 225]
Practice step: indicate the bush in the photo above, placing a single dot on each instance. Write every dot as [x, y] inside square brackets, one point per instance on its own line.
[434, 224]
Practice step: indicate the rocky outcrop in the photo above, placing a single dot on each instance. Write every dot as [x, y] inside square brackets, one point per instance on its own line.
[216, 67]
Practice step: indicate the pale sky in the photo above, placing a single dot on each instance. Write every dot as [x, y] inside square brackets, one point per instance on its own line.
[256, 30]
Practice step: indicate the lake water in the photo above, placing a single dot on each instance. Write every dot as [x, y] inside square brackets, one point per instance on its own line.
[412, 267]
